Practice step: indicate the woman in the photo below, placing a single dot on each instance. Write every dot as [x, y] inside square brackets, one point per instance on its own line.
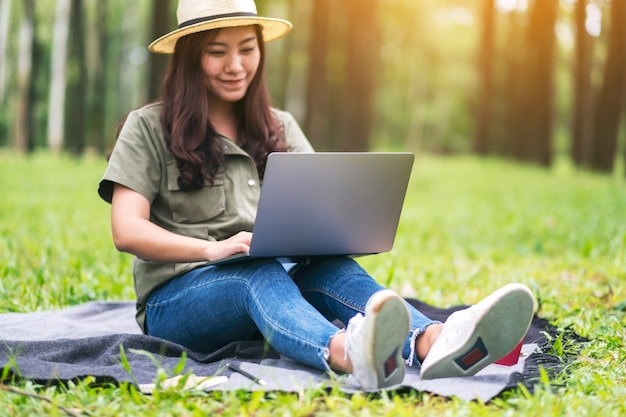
[183, 181]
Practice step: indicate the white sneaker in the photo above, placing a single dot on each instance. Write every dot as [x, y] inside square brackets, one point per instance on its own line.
[475, 337]
[374, 342]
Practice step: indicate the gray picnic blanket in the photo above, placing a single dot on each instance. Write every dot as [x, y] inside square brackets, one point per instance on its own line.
[101, 339]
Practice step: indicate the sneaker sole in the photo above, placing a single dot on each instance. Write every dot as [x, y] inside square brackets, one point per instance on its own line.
[391, 321]
[500, 326]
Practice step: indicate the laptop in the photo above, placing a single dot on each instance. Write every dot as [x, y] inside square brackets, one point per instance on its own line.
[328, 204]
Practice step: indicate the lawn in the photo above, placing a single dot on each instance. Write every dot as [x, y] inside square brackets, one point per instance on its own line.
[468, 227]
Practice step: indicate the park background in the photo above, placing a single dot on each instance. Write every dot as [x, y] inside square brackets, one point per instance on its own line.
[515, 109]
[532, 81]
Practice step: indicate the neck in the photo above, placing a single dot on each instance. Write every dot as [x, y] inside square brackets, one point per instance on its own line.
[222, 118]
[221, 108]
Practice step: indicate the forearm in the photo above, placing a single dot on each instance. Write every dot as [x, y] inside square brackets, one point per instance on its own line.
[148, 241]
[133, 232]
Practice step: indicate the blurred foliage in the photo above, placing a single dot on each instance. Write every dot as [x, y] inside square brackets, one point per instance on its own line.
[427, 83]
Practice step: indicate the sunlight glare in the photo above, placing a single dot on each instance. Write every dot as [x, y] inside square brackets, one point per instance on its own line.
[593, 23]
[565, 35]
[508, 6]
[455, 15]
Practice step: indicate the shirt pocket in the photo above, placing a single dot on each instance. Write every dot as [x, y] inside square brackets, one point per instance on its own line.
[194, 206]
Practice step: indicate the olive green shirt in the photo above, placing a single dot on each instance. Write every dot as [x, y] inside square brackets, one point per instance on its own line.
[142, 162]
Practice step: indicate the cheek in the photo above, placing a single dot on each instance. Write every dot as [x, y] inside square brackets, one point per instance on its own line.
[253, 64]
[208, 66]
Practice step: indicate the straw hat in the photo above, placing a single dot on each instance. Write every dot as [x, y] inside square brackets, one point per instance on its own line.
[200, 15]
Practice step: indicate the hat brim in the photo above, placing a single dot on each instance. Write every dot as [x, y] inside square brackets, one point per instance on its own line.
[271, 28]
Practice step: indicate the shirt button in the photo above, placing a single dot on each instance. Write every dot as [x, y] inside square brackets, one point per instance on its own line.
[251, 183]
[224, 147]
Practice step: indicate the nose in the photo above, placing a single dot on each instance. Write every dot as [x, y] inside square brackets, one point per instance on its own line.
[233, 63]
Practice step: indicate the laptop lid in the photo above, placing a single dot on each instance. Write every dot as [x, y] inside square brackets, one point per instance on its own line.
[329, 203]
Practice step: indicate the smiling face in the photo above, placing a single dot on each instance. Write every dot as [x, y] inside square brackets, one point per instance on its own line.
[230, 60]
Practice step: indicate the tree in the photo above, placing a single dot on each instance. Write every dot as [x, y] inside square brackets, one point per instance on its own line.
[362, 51]
[485, 96]
[23, 116]
[511, 94]
[161, 24]
[97, 104]
[582, 100]
[532, 128]
[343, 63]
[608, 110]
[318, 97]
[56, 109]
[76, 92]
[287, 66]
[5, 12]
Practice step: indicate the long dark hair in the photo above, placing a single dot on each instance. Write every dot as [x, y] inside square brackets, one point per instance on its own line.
[185, 116]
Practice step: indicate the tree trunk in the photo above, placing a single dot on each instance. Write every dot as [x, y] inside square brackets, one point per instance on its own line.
[508, 139]
[77, 83]
[24, 71]
[534, 139]
[97, 106]
[37, 88]
[58, 76]
[363, 54]
[610, 100]
[161, 24]
[318, 100]
[5, 23]
[130, 92]
[485, 96]
[582, 105]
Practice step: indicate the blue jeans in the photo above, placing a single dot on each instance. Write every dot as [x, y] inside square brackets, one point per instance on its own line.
[209, 307]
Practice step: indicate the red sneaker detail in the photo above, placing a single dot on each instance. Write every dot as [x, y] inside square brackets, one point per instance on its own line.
[475, 354]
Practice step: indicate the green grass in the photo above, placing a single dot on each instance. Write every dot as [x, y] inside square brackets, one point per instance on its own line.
[468, 227]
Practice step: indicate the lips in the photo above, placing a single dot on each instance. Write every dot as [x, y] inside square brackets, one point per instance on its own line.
[233, 82]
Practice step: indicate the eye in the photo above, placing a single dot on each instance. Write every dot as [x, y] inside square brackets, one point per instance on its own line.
[215, 52]
[248, 50]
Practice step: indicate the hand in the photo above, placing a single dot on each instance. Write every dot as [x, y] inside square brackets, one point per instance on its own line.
[239, 243]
